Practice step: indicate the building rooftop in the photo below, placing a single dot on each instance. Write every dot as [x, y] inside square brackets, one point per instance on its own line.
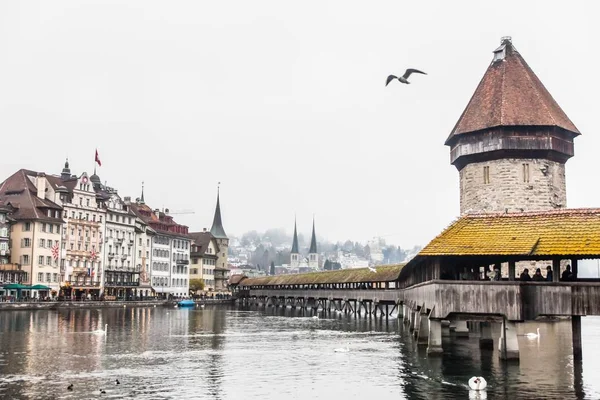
[19, 191]
[510, 94]
[530, 234]
[201, 241]
[386, 273]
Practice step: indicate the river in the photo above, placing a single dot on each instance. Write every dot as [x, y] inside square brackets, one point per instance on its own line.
[222, 352]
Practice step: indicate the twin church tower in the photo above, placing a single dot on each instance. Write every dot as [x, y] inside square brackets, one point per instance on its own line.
[312, 261]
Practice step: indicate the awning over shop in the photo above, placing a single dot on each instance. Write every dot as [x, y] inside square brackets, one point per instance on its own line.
[39, 287]
[17, 286]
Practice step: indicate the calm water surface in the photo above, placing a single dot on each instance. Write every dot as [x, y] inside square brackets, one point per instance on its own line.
[230, 353]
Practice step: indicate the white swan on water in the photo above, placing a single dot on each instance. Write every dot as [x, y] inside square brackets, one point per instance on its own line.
[342, 349]
[478, 394]
[532, 335]
[100, 331]
[477, 383]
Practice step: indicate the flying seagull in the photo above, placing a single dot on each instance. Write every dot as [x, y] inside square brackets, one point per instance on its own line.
[404, 78]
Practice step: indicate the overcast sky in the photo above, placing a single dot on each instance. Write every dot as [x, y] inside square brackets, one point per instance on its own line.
[284, 103]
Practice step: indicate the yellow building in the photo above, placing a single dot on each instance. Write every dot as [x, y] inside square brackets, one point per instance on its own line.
[36, 232]
[204, 257]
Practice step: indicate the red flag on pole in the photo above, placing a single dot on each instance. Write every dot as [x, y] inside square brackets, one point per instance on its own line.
[98, 158]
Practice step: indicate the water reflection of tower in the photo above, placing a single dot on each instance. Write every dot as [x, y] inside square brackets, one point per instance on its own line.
[215, 357]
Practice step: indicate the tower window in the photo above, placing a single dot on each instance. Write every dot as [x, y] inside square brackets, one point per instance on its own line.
[486, 174]
[526, 173]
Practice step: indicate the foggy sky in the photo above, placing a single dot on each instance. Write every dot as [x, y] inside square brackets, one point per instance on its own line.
[284, 103]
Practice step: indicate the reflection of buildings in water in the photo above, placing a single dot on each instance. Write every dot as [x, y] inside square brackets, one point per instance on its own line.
[211, 321]
[14, 325]
[81, 349]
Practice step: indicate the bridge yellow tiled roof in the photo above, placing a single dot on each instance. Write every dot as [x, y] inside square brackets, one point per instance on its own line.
[383, 273]
[561, 232]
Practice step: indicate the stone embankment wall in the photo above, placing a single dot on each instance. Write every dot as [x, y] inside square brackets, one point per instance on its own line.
[58, 305]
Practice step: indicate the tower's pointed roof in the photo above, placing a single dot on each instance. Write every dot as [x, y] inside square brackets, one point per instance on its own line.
[313, 240]
[295, 241]
[510, 94]
[217, 227]
[142, 197]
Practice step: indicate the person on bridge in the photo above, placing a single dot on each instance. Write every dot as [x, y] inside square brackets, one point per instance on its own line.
[549, 273]
[538, 275]
[567, 275]
[525, 275]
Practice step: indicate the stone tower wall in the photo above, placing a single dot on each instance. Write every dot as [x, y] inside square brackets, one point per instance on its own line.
[509, 187]
[222, 257]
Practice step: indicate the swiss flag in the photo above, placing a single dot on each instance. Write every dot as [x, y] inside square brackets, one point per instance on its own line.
[98, 158]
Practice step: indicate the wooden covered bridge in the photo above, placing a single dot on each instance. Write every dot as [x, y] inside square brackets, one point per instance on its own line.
[467, 273]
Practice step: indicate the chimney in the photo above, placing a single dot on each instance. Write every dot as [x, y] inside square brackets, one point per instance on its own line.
[166, 211]
[127, 199]
[41, 185]
[157, 212]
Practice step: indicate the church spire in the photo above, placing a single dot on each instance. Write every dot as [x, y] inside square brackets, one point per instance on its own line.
[295, 241]
[142, 197]
[217, 227]
[313, 240]
[66, 172]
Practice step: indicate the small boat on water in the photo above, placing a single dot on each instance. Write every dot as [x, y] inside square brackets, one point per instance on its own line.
[186, 303]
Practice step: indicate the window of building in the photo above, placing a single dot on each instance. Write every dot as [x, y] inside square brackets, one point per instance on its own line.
[41, 260]
[48, 276]
[80, 201]
[486, 174]
[42, 242]
[48, 260]
[40, 277]
[526, 173]
[27, 226]
[55, 277]
[87, 202]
